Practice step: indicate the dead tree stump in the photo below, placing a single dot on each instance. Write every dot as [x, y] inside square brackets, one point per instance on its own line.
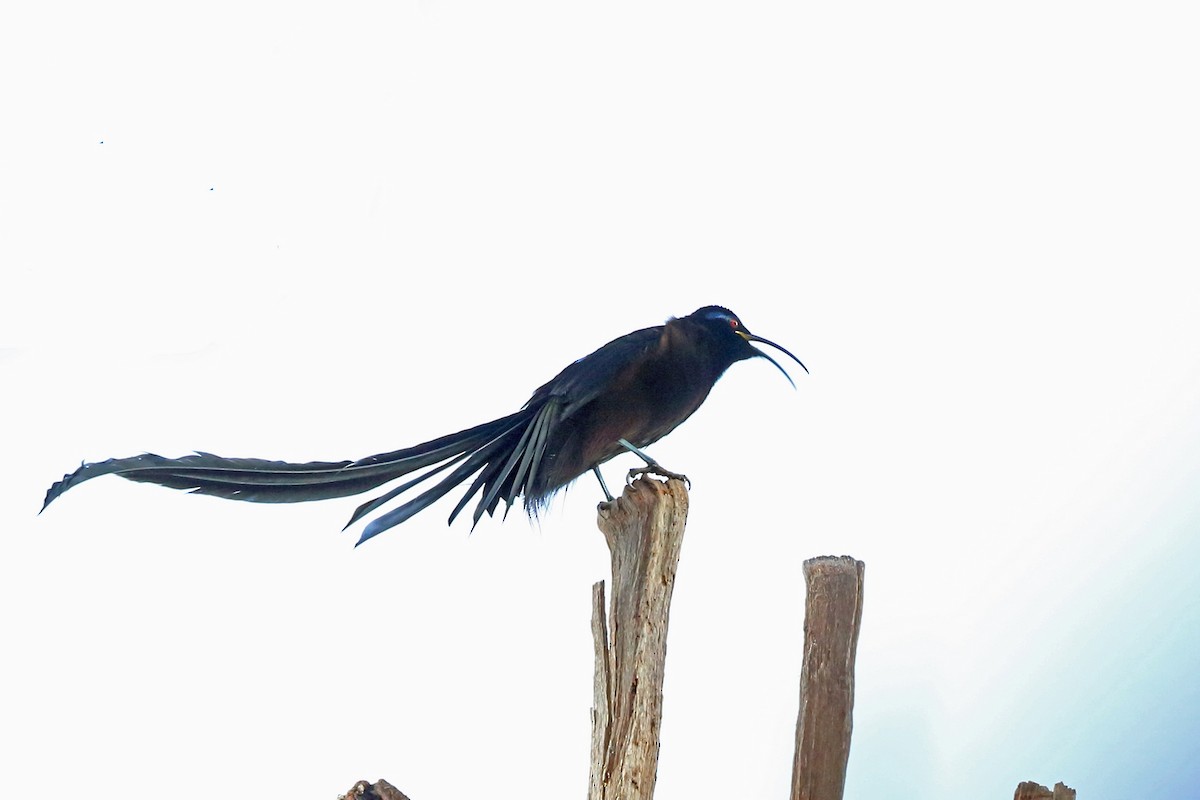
[1031, 790]
[380, 790]
[832, 617]
[644, 530]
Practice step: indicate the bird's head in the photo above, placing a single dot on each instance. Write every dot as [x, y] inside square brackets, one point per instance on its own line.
[734, 336]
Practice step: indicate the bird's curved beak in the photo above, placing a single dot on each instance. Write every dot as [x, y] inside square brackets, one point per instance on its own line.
[750, 337]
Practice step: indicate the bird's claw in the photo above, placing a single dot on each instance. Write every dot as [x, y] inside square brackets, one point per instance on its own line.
[656, 469]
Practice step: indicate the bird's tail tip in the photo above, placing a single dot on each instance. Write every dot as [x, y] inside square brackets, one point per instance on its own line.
[368, 532]
[57, 488]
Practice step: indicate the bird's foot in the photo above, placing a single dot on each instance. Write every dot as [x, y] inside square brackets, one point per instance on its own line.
[652, 467]
[656, 469]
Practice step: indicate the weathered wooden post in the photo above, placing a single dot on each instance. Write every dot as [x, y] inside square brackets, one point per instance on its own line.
[832, 616]
[644, 530]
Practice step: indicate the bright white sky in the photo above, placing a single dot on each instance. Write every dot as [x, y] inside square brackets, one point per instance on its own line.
[276, 231]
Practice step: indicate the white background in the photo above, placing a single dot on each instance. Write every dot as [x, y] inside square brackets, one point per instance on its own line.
[320, 232]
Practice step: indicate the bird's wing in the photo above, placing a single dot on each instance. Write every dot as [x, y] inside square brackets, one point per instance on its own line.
[587, 378]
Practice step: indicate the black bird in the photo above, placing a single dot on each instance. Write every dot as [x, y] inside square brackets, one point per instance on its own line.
[628, 394]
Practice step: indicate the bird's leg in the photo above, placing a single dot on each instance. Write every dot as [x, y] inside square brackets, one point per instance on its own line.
[652, 467]
[607, 494]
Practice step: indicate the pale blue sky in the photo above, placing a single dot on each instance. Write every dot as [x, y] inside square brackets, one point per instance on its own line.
[261, 230]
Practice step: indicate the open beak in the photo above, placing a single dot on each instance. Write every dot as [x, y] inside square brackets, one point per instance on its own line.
[750, 337]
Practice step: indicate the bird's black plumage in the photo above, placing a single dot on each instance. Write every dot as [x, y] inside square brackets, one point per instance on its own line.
[632, 391]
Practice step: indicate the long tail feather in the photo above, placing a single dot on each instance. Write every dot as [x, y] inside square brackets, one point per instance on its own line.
[429, 496]
[493, 450]
[371, 505]
[262, 481]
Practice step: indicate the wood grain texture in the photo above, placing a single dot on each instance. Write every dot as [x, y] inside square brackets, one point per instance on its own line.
[832, 617]
[644, 530]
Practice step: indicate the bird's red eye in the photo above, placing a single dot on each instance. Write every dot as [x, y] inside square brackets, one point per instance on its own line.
[733, 323]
